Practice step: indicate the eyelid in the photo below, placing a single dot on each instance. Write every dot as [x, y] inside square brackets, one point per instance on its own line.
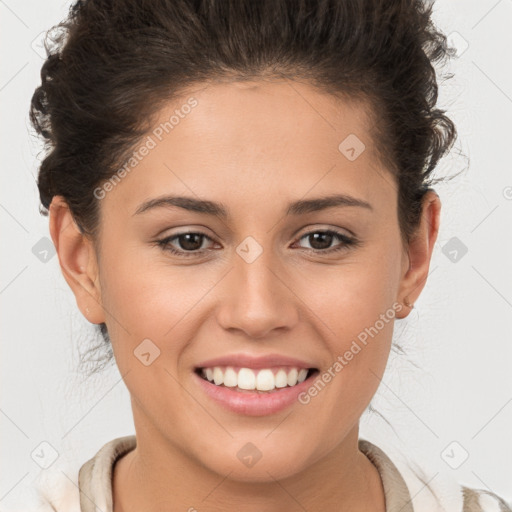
[347, 241]
[325, 227]
[165, 243]
[186, 228]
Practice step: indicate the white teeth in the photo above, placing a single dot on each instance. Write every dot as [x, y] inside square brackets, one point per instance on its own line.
[230, 378]
[265, 380]
[281, 379]
[292, 377]
[218, 376]
[248, 379]
[302, 375]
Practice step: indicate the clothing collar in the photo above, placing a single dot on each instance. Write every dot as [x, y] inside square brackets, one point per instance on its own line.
[95, 476]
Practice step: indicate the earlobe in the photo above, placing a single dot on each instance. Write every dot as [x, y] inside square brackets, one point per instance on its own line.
[407, 303]
[77, 260]
[420, 252]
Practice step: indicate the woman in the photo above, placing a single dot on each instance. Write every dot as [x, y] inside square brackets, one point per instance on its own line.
[294, 143]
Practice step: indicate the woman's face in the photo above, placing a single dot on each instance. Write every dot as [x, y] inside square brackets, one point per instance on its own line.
[260, 280]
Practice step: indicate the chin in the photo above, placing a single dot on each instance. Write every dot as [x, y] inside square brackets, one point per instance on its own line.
[247, 463]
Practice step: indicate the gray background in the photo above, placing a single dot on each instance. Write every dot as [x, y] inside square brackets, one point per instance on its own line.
[453, 385]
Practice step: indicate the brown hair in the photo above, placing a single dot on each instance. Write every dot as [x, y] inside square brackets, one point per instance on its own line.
[112, 63]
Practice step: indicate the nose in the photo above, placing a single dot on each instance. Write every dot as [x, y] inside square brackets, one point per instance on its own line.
[256, 298]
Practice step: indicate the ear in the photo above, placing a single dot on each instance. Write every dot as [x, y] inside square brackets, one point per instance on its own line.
[77, 259]
[416, 260]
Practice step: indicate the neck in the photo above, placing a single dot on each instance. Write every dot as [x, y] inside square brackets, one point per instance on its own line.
[158, 474]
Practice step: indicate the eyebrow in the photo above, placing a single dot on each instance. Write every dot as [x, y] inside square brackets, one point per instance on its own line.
[300, 207]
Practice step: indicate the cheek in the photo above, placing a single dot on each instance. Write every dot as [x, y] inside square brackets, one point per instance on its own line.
[146, 298]
[358, 339]
[353, 296]
[131, 294]
[355, 308]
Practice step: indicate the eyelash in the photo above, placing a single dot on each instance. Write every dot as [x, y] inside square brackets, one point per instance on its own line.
[348, 242]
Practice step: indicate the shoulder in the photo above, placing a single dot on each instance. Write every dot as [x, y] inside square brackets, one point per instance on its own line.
[437, 490]
[423, 489]
[55, 490]
[58, 489]
[480, 500]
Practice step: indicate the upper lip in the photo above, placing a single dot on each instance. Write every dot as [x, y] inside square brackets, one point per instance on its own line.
[256, 362]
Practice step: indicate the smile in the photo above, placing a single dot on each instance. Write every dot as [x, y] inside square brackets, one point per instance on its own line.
[254, 391]
[261, 379]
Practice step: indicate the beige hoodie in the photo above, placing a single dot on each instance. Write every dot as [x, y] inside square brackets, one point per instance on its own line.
[404, 491]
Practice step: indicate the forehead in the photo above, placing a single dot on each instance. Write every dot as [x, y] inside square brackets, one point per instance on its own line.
[280, 115]
[257, 140]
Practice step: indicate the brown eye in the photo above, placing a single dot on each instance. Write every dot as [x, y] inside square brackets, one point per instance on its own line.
[184, 244]
[321, 241]
[190, 241]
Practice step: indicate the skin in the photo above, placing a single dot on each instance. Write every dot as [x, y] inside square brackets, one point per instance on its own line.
[254, 147]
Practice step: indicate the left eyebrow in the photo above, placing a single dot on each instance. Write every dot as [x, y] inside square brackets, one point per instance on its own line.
[300, 207]
[322, 203]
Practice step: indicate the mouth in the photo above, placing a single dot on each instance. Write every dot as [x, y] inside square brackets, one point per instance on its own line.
[256, 380]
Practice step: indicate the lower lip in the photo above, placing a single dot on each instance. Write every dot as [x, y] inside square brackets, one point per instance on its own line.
[253, 404]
